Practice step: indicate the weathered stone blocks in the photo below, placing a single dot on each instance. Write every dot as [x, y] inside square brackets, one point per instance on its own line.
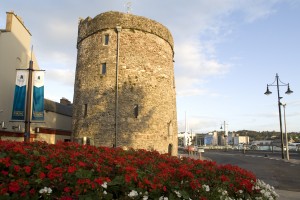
[146, 106]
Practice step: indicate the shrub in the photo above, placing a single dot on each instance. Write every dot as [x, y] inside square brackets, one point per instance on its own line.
[69, 171]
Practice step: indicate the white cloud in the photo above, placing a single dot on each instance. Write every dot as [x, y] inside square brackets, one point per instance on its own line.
[198, 124]
[255, 10]
[198, 32]
[61, 30]
[193, 66]
[63, 76]
[193, 61]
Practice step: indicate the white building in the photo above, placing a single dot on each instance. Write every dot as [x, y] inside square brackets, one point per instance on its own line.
[15, 53]
[240, 140]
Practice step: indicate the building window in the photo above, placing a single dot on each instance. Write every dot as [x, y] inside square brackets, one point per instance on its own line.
[136, 110]
[85, 110]
[103, 68]
[106, 39]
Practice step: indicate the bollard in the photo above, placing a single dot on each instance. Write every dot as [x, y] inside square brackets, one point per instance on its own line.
[200, 150]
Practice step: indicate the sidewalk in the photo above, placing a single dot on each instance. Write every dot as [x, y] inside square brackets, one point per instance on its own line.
[294, 161]
[288, 195]
[194, 156]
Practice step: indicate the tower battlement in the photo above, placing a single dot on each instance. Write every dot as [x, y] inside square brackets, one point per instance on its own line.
[109, 20]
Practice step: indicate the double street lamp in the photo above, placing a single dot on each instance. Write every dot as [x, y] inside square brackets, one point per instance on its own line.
[225, 134]
[278, 83]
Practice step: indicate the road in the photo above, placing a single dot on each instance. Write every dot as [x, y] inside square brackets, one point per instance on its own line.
[267, 166]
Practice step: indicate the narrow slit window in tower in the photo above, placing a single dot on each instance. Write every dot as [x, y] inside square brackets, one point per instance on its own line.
[136, 110]
[106, 39]
[103, 68]
[85, 110]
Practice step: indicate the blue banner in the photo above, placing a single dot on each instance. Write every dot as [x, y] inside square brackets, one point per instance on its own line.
[38, 96]
[18, 112]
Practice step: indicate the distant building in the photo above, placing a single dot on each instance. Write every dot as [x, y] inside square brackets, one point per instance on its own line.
[15, 53]
[211, 139]
[240, 140]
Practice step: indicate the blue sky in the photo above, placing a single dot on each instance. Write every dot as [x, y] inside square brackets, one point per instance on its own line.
[226, 52]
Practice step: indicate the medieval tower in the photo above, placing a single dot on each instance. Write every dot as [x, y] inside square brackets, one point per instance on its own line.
[136, 55]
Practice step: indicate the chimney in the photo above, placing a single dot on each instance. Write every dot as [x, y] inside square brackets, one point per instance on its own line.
[65, 101]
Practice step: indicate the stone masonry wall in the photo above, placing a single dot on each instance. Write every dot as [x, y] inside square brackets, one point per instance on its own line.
[145, 78]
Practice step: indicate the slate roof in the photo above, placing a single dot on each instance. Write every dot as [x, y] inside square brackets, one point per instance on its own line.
[59, 108]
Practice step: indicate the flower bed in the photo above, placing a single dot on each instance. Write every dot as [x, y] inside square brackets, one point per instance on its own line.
[68, 171]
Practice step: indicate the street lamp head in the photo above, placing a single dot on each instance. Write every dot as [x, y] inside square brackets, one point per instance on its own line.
[289, 91]
[268, 91]
[283, 104]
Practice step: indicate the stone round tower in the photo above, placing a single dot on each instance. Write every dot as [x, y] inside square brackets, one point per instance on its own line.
[136, 55]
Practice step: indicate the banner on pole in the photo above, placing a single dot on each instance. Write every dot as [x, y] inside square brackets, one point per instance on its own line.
[18, 112]
[38, 96]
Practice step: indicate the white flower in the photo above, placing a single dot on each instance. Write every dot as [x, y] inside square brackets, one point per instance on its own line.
[177, 193]
[133, 193]
[145, 197]
[104, 192]
[45, 190]
[206, 188]
[104, 185]
[42, 191]
[163, 198]
[241, 191]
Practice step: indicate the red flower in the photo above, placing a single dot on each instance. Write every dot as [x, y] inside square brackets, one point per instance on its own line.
[43, 159]
[3, 191]
[67, 189]
[224, 178]
[82, 164]
[71, 169]
[49, 167]
[42, 175]
[164, 188]
[32, 191]
[5, 161]
[66, 198]
[27, 169]
[4, 172]
[14, 186]
[17, 168]
[140, 169]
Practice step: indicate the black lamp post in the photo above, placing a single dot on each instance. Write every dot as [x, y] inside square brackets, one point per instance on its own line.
[225, 135]
[28, 104]
[289, 91]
